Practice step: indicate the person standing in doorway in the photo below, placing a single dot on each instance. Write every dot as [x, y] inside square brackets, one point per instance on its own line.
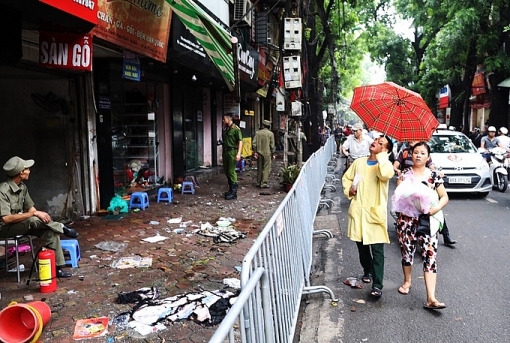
[18, 215]
[232, 142]
[365, 184]
[264, 151]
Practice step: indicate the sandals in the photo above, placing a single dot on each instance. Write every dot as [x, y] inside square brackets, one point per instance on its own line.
[435, 305]
[404, 290]
[367, 278]
[376, 292]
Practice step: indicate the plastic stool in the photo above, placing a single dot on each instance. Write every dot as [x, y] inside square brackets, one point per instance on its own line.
[187, 187]
[240, 166]
[73, 247]
[165, 194]
[139, 200]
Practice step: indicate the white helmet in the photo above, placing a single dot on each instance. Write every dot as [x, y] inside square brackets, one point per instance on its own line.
[503, 130]
[491, 129]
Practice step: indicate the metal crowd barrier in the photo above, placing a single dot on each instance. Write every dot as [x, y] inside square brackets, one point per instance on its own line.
[275, 271]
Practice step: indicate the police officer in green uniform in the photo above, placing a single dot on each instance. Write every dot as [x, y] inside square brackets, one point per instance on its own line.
[264, 149]
[232, 139]
[18, 216]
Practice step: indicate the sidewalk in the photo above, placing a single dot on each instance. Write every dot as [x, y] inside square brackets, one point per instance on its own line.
[184, 263]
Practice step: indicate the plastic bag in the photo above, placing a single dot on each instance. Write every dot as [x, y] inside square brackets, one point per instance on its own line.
[118, 204]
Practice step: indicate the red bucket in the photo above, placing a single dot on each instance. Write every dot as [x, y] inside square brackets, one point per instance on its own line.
[23, 322]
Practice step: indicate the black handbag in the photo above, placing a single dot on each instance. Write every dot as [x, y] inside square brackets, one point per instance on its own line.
[423, 225]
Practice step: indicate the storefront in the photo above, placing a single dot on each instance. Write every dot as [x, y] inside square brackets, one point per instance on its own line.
[43, 100]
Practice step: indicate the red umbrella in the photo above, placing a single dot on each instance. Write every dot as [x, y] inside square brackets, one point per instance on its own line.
[394, 111]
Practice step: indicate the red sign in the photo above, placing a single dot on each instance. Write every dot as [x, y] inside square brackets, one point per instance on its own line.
[139, 26]
[65, 51]
[478, 85]
[84, 9]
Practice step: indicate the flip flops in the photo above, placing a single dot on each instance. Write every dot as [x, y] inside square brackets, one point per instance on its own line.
[436, 305]
[376, 292]
[403, 290]
[367, 278]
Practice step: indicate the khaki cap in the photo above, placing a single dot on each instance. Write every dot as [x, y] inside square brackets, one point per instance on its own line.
[15, 165]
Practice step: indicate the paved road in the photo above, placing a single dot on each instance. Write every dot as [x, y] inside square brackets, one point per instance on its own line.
[472, 281]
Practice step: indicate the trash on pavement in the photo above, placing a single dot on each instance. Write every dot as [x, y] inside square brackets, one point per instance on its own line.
[132, 262]
[90, 328]
[111, 246]
[353, 282]
[174, 220]
[220, 234]
[232, 282]
[232, 220]
[117, 204]
[207, 307]
[154, 222]
[155, 239]
[21, 268]
[141, 294]
[144, 329]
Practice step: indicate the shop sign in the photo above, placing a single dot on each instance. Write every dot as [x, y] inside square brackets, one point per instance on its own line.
[444, 97]
[248, 68]
[65, 51]
[84, 9]
[131, 67]
[478, 84]
[140, 26]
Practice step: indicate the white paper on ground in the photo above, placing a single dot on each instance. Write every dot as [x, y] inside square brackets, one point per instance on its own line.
[155, 239]
[174, 220]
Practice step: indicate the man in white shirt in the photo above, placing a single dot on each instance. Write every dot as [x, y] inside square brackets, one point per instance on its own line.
[503, 138]
[356, 145]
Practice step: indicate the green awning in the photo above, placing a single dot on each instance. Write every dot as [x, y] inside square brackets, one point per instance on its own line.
[215, 40]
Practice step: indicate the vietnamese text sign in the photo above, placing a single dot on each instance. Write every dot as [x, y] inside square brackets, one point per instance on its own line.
[65, 51]
[139, 26]
[84, 9]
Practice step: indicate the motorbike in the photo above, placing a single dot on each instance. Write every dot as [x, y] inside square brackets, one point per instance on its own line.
[498, 167]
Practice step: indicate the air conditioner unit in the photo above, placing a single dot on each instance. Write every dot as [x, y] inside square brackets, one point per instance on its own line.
[242, 11]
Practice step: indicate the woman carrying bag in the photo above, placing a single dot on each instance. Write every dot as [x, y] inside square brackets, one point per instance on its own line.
[419, 198]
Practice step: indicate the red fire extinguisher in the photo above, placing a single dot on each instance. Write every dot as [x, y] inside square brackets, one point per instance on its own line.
[47, 271]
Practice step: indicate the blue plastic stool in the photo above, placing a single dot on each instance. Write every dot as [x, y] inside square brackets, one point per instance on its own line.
[240, 166]
[73, 247]
[187, 187]
[165, 194]
[139, 200]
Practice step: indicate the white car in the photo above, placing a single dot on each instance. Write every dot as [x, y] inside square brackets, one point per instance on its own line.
[464, 168]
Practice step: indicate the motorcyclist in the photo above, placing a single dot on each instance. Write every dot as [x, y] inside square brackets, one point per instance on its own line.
[490, 141]
[356, 145]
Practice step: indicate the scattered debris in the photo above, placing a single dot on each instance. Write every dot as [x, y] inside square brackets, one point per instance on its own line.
[221, 234]
[154, 222]
[111, 246]
[353, 282]
[232, 282]
[142, 294]
[174, 220]
[132, 262]
[155, 239]
[90, 328]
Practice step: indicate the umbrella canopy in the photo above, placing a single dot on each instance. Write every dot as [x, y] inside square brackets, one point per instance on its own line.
[394, 111]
